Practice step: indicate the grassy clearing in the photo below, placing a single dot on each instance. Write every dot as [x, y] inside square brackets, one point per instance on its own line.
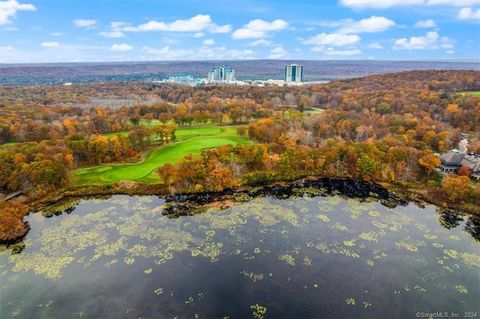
[476, 93]
[314, 111]
[7, 145]
[189, 141]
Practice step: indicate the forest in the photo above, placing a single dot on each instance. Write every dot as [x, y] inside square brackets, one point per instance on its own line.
[388, 129]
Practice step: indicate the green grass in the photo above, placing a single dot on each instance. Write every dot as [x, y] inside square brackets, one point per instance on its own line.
[476, 93]
[154, 123]
[7, 145]
[189, 141]
[314, 111]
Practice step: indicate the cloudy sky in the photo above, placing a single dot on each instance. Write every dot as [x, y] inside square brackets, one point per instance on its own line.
[139, 30]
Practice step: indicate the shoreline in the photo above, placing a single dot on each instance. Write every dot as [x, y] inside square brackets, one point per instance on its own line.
[418, 196]
[184, 203]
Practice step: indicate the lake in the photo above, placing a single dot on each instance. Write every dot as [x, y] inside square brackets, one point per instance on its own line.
[307, 256]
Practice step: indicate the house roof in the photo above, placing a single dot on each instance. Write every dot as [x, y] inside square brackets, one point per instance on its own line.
[471, 162]
[451, 158]
[476, 168]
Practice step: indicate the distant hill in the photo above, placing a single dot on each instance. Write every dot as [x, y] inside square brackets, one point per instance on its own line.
[39, 74]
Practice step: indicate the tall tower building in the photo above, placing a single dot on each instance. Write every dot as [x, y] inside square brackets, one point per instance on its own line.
[294, 73]
[221, 74]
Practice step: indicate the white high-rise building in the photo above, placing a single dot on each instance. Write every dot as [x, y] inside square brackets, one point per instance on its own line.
[294, 73]
[221, 74]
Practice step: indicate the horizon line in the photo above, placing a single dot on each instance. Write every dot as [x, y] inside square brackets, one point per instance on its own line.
[446, 60]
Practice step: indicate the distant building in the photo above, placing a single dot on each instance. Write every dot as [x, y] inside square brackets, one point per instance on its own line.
[182, 79]
[452, 161]
[221, 74]
[294, 73]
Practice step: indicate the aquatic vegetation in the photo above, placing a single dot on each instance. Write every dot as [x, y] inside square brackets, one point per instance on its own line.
[451, 253]
[323, 218]
[349, 243]
[158, 291]
[49, 266]
[377, 254]
[262, 234]
[289, 259]
[307, 261]
[253, 276]
[110, 263]
[339, 226]
[419, 289]
[350, 301]
[470, 259]
[461, 289]
[372, 235]
[346, 252]
[409, 245]
[259, 311]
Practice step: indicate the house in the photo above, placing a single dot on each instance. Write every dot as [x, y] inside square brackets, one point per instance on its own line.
[452, 161]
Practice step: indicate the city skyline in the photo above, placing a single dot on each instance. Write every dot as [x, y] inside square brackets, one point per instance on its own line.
[54, 31]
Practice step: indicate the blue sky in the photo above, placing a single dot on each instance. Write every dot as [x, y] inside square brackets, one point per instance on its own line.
[145, 30]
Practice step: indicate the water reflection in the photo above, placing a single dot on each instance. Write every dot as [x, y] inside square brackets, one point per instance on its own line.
[451, 219]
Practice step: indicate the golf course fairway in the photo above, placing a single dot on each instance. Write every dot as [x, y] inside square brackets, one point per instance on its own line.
[190, 140]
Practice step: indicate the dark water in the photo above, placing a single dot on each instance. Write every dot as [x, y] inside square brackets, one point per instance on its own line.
[321, 257]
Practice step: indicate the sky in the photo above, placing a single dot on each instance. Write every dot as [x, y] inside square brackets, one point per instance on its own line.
[38, 31]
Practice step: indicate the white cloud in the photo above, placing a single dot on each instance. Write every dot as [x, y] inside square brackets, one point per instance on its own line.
[123, 47]
[333, 39]
[5, 49]
[198, 23]
[208, 42]
[359, 4]
[375, 45]
[199, 35]
[238, 54]
[9, 9]
[457, 3]
[257, 29]
[115, 30]
[112, 34]
[469, 14]
[84, 23]
[57, 34]
[205, 53]
[383, 4]
[167, 53]
[335, 52]
[50, 45]
[430, 41]
[426, 24]
[261, 42]
[278, 53]
[369, 25]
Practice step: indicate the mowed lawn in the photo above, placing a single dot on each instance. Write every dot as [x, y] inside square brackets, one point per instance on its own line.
[189, 141]
[476, 93]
